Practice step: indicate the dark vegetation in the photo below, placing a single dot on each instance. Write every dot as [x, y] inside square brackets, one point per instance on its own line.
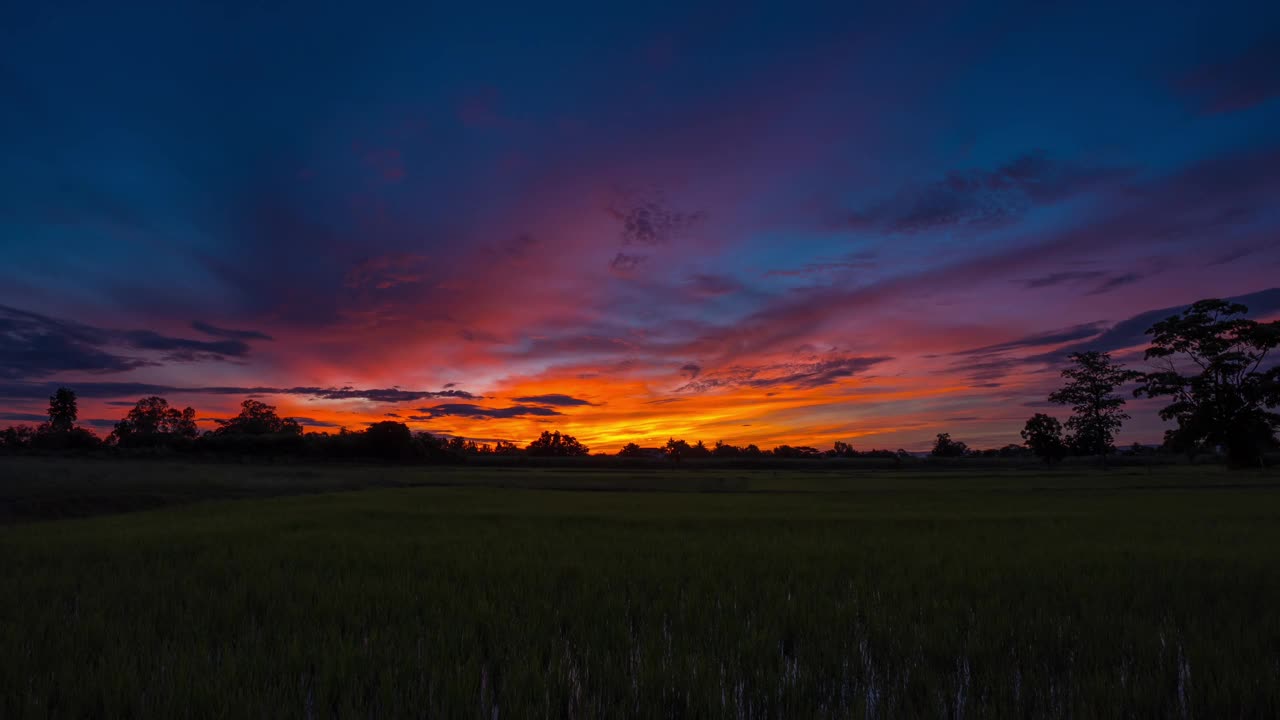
[814, 591]
[1210, 361]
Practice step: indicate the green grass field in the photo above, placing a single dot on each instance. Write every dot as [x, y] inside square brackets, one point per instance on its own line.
[514, 593]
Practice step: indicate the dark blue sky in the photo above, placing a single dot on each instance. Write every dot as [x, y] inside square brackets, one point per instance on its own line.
[757, 224]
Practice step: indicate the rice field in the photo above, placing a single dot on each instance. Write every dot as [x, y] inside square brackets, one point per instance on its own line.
[230, 591]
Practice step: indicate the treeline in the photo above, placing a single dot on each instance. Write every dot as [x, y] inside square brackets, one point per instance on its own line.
[678, 450]
[1210, 362]
[152, 426]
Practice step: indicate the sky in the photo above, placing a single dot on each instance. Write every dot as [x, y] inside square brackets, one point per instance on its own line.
[782, 223]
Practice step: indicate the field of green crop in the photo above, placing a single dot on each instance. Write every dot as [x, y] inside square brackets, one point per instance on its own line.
[586, 593]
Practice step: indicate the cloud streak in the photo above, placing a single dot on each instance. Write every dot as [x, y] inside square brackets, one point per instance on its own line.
[31, 390]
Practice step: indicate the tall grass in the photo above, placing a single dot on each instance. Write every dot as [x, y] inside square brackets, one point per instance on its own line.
[1099, 595]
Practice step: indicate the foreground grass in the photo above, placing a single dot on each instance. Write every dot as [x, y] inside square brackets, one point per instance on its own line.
[869, 595]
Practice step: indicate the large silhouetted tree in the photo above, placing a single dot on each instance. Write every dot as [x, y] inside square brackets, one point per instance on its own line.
[61, 432]
[1043, 435]
[389, 440]
[843, 449]
[556, 444]
[944, 446]
[152, 421]
[1097, 412]
[258, 418]
[1211, 364]
[62, 411]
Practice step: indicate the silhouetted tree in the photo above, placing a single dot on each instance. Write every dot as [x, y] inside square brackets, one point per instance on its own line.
[61, 432]
[803, 451]
[1096, 410]
[258, 418]
[944, 446]
[676, 449]
[843, 449]
[725, 450]
[389, 440]
[1221, 394]
[631, 450]
[1186, 439]
[1013, 450]
[506, 447]
[62, 411]
[556, 444]
[751, 451]
[1043, 434]
[17, 437]
[698, 450]
[152, 421]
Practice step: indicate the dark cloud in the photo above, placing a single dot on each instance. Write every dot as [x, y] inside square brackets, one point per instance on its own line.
[1131, 332]
[28, 353]
[312, 422]
[554, 399]
[386, 395]
[1232, 255]
[815, 372]
[1067, 276]
[691, 369]
[148, 340]
[481, 413]
[128, 389]
[1239, 82]
[1052, 337]
[38, 346]
[623, 263]
[989, 370]
[23, 417]
[982, 197]
[987, 366]
[1202, 201]
[1112, 283]
[1102, 282]
[215, 331]
[651, 222]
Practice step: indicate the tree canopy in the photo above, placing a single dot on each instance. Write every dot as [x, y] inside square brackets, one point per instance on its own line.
[1043, 436]
[556, 444]
[1097, 412]
[62, 411]
[258, 418]
[152, 421]
[1212, 366]
[944, 446]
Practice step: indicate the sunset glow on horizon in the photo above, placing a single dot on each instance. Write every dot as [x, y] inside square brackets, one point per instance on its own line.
[754, 227]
